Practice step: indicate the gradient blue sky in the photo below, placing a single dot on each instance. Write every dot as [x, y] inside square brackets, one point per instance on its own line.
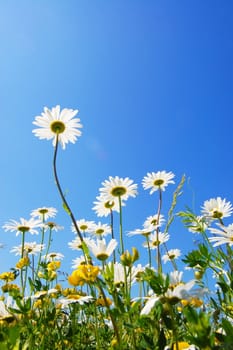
[153, 82]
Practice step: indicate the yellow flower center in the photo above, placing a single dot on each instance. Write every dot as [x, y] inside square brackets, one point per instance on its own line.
[23, 228]
[51, 224]
[171, 256]
[118, 191]
[217, 214]
[57, 127]
[83, 227]
[43, 211]
[158, 182]
[99, 231]
[102, 256]
[109, 205]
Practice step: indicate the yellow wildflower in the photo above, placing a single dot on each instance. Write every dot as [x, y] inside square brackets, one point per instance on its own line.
[53, 265]
[23, 262]
[7, 276]
[183, 345]
[83, 274]
[103, 302]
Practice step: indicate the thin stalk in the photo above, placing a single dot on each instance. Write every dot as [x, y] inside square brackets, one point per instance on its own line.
[159, 265]
[149, 251]
[121, 227]
[115, 327]
[42, 242]
[49, 242]
[22, 245]
[22, 254]
[112, 233]
[57, 182]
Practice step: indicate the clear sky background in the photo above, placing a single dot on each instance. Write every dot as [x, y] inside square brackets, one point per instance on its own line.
[153, 82]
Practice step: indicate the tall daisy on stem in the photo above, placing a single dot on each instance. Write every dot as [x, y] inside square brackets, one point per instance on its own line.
[117, 187]
[61, 127]
[158, 182]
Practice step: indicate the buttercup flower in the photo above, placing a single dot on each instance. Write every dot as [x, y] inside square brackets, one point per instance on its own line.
[100, 249]
[103, 207]
[23, 226]
[85, 273]
[217, 208]
[118, 187]
[225, 235]
[157, 181]
[58, 122]
[44, 212]
[7, 276]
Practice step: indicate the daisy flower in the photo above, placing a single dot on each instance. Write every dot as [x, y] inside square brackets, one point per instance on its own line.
[103, 207]
[217, 208]
[83, 225]
[100, 229]
[156, 181]
[144, 232]
[53, 256]
[73, 299]
[172, 254]
[43, 293]
[180, 292]
[225, 235]
[23, 226]
[154, 221]
[58, 122]
[155, 240]
[119, 274]
[78, 261]
[76, 244]
[53, 226]
[116, 187]
[44, 213]
[29, 248]
[100, 249]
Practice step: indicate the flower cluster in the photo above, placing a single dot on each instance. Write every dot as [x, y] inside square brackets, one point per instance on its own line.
[111, 299]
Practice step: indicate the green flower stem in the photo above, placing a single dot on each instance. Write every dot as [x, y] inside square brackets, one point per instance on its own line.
[112, 233]
[42, 242]
[65, 203]
[22, 253]
[149, 251]
[49, 242]
[23, 242]
[25, 280]
[159, 264]
[114, 324]
[121, 228]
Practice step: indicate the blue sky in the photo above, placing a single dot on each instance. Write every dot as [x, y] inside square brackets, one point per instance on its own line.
[153, 82]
